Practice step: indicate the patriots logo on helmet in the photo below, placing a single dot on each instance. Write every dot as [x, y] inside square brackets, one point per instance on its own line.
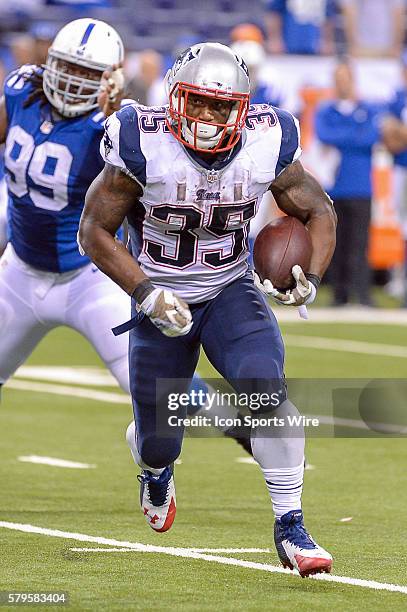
[242, 64]
[185, 57]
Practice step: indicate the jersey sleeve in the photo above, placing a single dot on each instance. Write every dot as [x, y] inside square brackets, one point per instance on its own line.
[290, 148]
[17, 86]
[120, 145]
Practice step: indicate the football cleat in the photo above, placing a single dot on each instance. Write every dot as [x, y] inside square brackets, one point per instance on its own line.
[296, 548]
[157, 498]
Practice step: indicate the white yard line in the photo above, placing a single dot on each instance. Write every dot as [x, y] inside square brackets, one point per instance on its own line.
[190, 554]
[100, 396]
[364, 316]
[76, 375]
[236, 551]
[345, 346]
[62, 463]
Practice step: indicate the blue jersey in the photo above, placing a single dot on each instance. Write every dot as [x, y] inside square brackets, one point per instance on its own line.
[352, 129]
[50, 165]
[302, 22]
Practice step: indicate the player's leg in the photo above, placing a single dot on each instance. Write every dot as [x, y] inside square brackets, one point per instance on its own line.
[95, 304]
[339, 264]
[358, 237]
[249, 352]
[102, 306]
[156, 439]
[397, 285]
[220, 412]
[20, 324]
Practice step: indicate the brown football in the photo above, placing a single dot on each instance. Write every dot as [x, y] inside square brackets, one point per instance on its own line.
[279, 246]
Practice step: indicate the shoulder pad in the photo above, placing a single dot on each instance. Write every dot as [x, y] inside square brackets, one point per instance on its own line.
[290, 149]
[121, 144]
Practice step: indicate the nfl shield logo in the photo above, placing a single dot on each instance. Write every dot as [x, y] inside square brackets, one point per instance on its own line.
[212, 176]
[46, 127]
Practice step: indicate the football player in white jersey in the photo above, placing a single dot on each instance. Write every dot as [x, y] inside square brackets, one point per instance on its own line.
[52, 121]
[189, 177]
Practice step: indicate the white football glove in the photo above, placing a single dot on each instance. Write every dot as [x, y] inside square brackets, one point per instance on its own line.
[167, 312]
[113, 83]
[304, 292]
[111, 90]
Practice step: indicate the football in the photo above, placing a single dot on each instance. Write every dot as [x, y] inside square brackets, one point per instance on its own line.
[279, 246]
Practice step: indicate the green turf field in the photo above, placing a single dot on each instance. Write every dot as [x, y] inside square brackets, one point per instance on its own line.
[221, 503]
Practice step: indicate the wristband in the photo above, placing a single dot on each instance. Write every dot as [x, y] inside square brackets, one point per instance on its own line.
[142, 291]
[313, 278]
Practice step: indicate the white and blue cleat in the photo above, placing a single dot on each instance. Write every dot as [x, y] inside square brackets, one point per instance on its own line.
[157, 498]
[296, 548]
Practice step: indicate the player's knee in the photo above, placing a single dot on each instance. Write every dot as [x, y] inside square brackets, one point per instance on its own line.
[260, 366]
[158, 453]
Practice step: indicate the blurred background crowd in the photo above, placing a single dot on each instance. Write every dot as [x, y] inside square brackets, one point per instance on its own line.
[339, 65]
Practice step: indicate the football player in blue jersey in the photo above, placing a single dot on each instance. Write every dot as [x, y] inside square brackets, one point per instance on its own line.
[189, 177]
[51, 119]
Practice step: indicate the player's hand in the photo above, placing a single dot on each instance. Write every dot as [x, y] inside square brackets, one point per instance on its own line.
[168, 312]
[304, 292]
[112, 90]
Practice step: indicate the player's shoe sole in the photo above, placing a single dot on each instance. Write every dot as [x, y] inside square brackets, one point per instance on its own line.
[296, 548]
[307, 566]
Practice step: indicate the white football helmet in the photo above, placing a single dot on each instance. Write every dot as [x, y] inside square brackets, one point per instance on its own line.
[89, 43]
[215, 71]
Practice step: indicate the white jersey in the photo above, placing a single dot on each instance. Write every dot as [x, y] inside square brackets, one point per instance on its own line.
[189, 230]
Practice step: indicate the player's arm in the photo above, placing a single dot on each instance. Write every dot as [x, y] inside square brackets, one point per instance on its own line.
[3, 120]
[297, 193]
[108, 201]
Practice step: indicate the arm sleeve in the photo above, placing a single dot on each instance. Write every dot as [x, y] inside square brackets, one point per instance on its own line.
[290, 149]
[120, 145]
